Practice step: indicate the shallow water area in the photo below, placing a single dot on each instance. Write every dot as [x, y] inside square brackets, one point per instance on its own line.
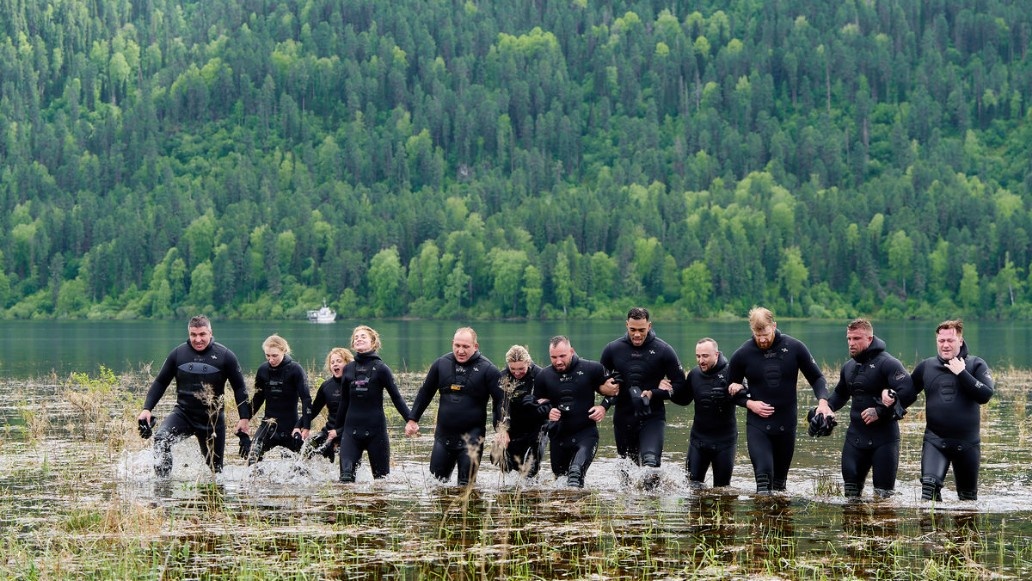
[80, 499]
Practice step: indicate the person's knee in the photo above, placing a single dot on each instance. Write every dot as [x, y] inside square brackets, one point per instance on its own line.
[931, 488]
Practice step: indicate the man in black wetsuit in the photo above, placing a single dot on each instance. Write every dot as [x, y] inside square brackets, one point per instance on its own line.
[570, 384]
[280, 384]
[714, 436]
[518, 439]
[641, 360]
[955, 385]
[771, 363]
[201, 368]
[873, 380]
[466, 380]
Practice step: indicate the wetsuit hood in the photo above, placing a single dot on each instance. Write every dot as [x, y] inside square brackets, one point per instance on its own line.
[718, 366]
[962, 355]
[876, 348]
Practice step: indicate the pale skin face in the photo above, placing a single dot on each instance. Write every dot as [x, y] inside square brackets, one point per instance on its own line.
[947, 343]
[362, 341]
[337, 365]
[463, 346]
[706, 355]
[518, 369]
[560, 355]
[638, 330]
[200, 338]
[274, 356]
[764, 337]
[857, 340]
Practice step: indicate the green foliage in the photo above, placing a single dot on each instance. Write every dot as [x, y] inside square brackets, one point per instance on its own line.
[824, 159]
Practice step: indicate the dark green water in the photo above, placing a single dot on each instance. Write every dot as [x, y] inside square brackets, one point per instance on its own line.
[36, 348]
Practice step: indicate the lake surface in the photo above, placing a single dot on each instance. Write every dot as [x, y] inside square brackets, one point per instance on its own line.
[79, 499]
[39, 348]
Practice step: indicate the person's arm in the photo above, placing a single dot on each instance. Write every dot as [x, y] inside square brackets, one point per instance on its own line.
[423, 398]
[674, 373]
[976, 381]
[391, 384]
[840, 395]
[499, 410]
[305, 395]
[815, 377]
[239, 386]
[158, 387]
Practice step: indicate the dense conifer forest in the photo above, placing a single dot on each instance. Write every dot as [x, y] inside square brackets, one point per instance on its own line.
[501, 159]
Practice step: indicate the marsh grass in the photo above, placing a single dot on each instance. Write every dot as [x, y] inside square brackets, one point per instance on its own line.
[68, 513]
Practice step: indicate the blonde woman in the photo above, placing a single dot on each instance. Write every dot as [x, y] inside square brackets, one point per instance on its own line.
[328, 396]
[361, 422]
[280, 385]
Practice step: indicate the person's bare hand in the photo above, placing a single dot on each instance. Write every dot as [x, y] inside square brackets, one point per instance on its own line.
[597, 413]
[955, 365]
[760, 408]
[869, 415]
[411, 428]
[734, 388]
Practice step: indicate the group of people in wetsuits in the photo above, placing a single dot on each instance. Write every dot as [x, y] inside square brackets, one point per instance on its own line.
[561, 405]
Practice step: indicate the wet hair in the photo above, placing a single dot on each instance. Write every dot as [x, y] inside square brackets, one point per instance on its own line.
[277, 342]
[199, 321]
[760, 318]
[344, 354]
[469, 330]
[517, 353]
[955, 324]
[860, 324]
[374, 337]
[708, 340]
[638, 313]
[558, 340]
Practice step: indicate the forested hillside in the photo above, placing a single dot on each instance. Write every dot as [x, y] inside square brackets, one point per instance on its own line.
[436, 158]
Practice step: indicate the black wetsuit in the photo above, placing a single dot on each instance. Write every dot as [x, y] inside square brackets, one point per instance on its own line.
[638, 426]
[574, 438]
[280, 389]
[953, 429]
[876, 445]
[714, 436]
[772, 375]
[360, 417]
[328, 395]
[461, 414]
[200, 390]
[525, 419]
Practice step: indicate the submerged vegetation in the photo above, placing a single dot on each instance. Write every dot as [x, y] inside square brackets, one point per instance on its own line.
[73, 509]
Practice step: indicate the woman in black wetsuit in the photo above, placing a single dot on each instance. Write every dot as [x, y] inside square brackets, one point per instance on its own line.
[328, 396]
[280, 385]
[360, 421]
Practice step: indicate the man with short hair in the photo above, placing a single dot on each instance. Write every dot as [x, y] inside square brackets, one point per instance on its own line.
[956, 384]
[714, 436]
[569, 385]
[874, 381]
[201, 368]
[771, 362]
[465, 380]
[641, 361]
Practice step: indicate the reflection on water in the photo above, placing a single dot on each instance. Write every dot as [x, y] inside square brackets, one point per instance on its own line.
[86, 502]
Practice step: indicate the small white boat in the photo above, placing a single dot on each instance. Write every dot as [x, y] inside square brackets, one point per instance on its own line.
[323, 315]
